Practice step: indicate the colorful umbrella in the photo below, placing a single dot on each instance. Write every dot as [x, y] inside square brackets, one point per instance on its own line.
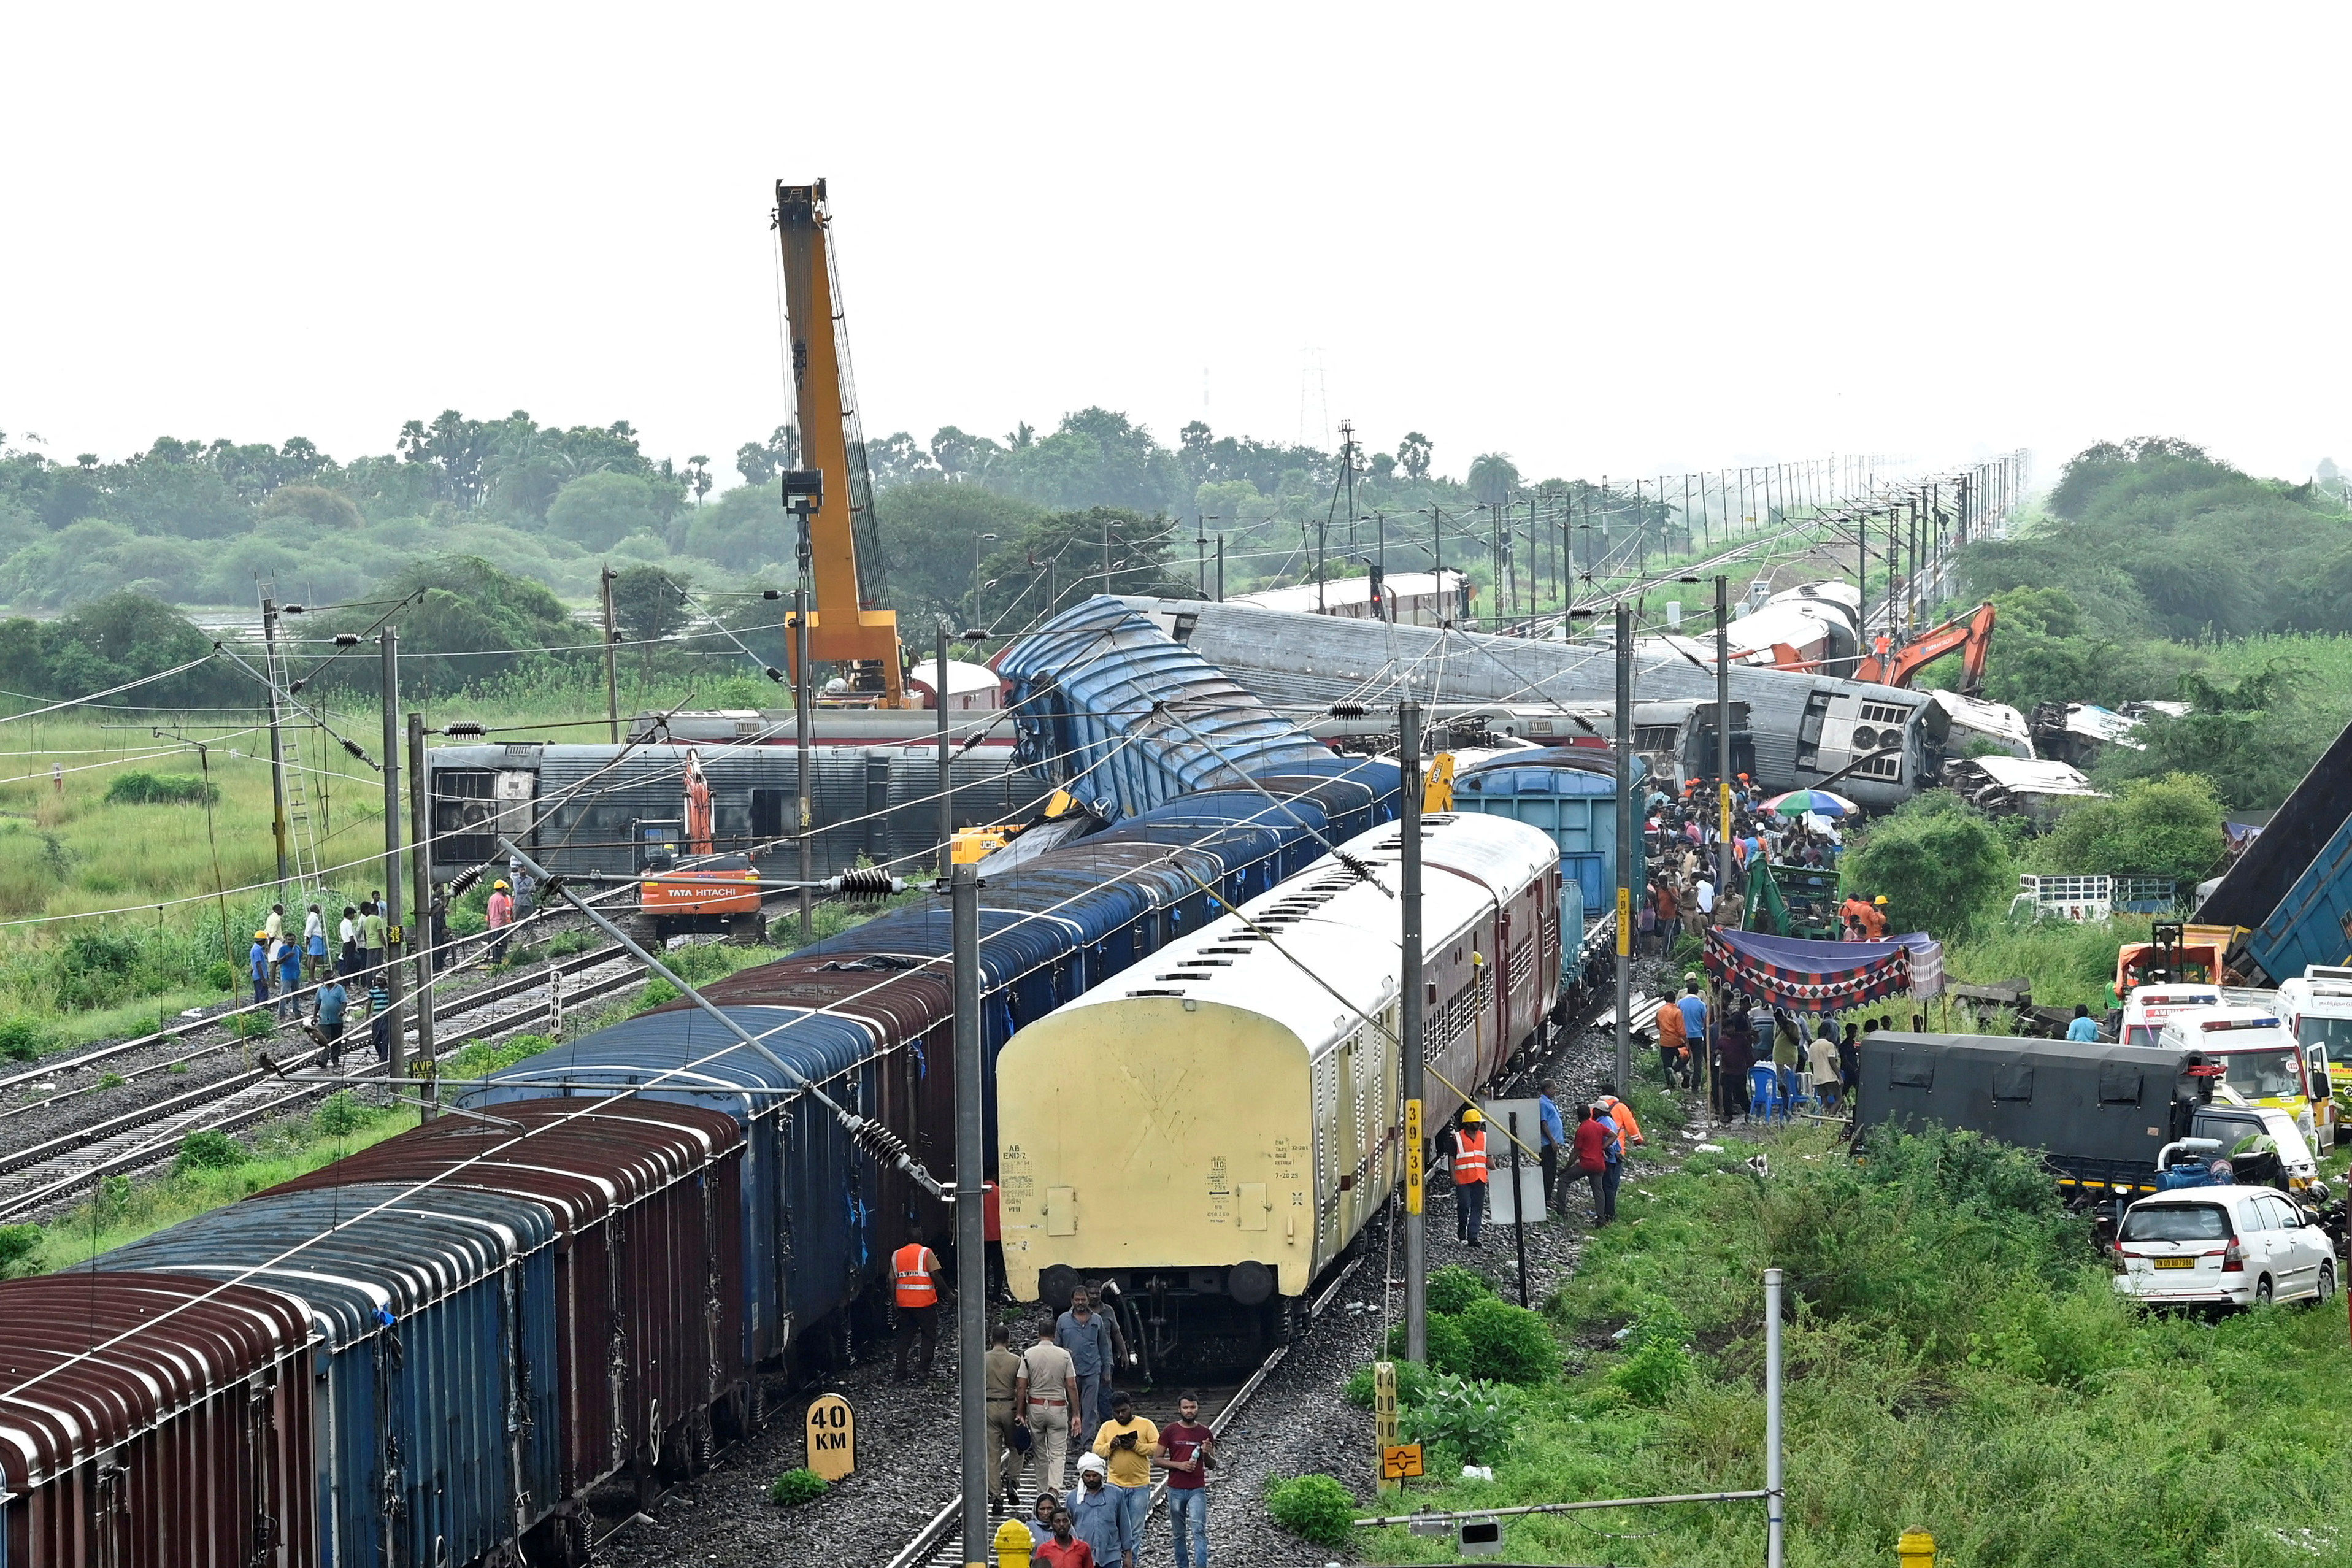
[1815, 801]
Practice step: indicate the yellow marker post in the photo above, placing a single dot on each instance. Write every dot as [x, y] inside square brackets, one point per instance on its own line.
[1012, 1544]
[832, 1436]
[1384, 1417]
[1916, 1549]
[1624, 921]
[1414, 1174]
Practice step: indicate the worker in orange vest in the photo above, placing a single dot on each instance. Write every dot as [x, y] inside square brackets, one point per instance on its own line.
[915, 1292]
[1470, 1175]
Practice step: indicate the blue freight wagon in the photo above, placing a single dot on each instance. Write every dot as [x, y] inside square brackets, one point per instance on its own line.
[436, 1368]
[2313, 924]
[1570, 793]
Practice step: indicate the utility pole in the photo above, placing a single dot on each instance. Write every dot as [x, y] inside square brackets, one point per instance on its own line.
[971, 1244]
[420, 832]
[1723, 732]
[1410, 1025]
[1624, 840]
[612, 673]
[277, 749]
[1106, 587]
[947, 795]
[388, 656]
[804, 686]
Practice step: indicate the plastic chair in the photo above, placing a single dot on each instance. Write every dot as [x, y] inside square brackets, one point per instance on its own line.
[1797, 1092]
[1764, 1093]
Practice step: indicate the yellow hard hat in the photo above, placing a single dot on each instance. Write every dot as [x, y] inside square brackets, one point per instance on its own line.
[261, 936]
[501, 882]
[1880, 900]
[1471, 1115]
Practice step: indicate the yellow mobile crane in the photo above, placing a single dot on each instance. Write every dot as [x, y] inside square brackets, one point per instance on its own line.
[833, 493]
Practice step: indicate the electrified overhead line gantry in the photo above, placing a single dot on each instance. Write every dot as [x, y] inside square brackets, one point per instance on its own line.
[833, 492]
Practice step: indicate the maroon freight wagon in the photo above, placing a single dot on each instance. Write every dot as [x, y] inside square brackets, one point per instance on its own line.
[646, 1201]
[154, 1421]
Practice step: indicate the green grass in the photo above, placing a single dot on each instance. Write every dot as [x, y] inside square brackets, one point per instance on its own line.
[2067, 963]
[1959, 1360]
[125, 1210]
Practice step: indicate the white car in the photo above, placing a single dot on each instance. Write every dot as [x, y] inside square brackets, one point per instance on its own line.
[2231, 1246]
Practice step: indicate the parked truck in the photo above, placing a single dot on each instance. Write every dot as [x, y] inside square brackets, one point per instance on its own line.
[2107, 1119]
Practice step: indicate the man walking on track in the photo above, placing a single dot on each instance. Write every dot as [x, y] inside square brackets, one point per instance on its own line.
[1046, 1393]
[1191, 1449]
[1470, 1175]
[1094, 1345]
[1004, 1377]
[915, 1291]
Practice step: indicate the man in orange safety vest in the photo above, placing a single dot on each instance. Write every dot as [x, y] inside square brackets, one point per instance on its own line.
[1470, 1175]
[915, 1292]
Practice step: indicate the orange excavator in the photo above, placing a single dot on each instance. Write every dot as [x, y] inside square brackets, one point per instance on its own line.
[709, 891]
[1969, 635]
[833, 493]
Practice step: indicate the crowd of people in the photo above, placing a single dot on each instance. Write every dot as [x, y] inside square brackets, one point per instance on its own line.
[1815, 1057]
[1680, 834]
[1058, 1397]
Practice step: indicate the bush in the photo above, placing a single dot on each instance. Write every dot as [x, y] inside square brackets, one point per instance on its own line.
[794, 1487]
[208, 1150]
[1313, 1508]
[18, 1245]
[341, 1115]
[1449, 1348]
[220, 975]
[1452, 1288]
[1507, 1343]
[1660, 1363]
[1412, 1383]
[22, 1038]
[1475, 1419]
[161, 789]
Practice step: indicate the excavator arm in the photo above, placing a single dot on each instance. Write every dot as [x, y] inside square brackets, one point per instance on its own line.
[1970, 635]
[845, 628]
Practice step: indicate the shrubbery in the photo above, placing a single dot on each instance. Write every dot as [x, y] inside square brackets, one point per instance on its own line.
[1486, 1338]
[1314, 1508]
[794, 1487]
[208, 1150]
[161, 789]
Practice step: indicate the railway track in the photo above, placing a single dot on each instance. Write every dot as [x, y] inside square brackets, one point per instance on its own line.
[36, 1178]
[939, 1543]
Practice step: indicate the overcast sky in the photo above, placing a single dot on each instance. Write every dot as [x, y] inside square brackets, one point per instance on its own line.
[1615, 239]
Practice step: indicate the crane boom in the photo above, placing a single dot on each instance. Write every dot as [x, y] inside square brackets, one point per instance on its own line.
[845, 628]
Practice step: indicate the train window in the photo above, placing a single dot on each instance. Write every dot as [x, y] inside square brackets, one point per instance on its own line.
[1808, 729]
[1884, 713]
[768, 811]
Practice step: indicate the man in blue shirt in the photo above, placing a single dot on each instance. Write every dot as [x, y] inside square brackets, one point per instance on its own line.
[1694, 1009]
[333, 1000]
[1100, 1515]
[289, 979]
[2083, 1028]
[1095, 1347]
[1555, 1137]
[257, 963]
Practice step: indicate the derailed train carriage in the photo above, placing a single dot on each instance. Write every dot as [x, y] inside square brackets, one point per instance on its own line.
[582, 808]
[1213, 1128]
[1878, 745]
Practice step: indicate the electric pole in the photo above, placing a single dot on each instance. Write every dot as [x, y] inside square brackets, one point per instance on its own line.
[1624, 840]
[971, 1243]
[388, 656]
[421, 863]
[947, 788]
[276, 748]
[612, 673]
[1411, 1025]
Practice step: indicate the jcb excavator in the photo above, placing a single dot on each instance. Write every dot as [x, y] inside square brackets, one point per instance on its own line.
[832, 494]
[1970, 635]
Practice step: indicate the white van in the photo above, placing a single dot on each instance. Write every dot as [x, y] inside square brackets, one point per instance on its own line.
[2147, 1008]
[2318, 1005]
[2240, 1247]
[2259, 1059]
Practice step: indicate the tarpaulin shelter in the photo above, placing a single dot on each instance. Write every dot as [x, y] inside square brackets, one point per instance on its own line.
[1823, 976]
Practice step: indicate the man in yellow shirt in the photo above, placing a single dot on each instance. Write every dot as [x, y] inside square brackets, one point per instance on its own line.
[1130, 1442]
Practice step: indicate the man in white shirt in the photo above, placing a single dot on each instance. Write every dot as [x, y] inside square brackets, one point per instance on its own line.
[1705, 891]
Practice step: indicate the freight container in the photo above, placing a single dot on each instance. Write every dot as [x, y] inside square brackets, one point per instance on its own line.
[154, 1421]
[2312, 924]
[648, 1266]
[436, 1375]
[1571, 796]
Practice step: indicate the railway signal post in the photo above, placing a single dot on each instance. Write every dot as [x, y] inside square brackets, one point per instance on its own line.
[971, 1243]
[395, 1044]
[1410, 1025]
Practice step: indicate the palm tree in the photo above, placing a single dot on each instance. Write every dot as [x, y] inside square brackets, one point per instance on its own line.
[1493, 478]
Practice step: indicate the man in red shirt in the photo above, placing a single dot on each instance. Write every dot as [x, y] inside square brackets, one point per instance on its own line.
[1592, 1154]
[1189, 1449]
[1065, 1549]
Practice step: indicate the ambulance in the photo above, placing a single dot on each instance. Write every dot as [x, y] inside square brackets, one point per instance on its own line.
[2318, 1008]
